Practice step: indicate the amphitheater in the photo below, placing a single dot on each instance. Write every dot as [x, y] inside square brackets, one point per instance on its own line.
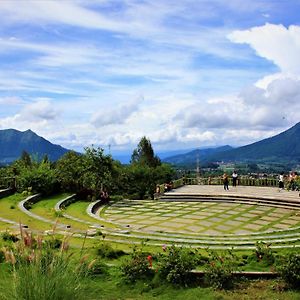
[198, 216]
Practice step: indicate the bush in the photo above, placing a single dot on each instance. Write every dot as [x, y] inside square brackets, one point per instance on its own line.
[116, 198]
[289, 270]
[263, 254]
[176, 264]
[94, 268]
[137, 267]
[107, 251]
[6, 236]
[219, 270]
[54, 243]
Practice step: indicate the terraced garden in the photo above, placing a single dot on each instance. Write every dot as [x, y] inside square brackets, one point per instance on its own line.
[205, 218]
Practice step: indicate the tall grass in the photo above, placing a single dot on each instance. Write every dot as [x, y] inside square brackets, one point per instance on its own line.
[39, 272]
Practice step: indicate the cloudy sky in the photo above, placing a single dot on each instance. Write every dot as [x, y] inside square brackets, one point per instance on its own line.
[189, 73]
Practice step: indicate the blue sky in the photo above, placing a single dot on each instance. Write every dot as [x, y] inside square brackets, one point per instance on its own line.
[187, 74]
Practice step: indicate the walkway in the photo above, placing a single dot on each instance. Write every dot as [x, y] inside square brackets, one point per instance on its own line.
[241, 191]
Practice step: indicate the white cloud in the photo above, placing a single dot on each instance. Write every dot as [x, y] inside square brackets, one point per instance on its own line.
[39, 110]
[116, 115]
[11, 101]
[276, 43]
[37, 115]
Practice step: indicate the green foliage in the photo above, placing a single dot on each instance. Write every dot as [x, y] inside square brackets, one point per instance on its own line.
[40, 177]
[38, 272]
[94, 268]
[98, 169]
[176, 264]
[85, 172]
[144, 154]
[220, 268]
[136, 267]
[2, 257]
[70, 169]
[53, 243]
[141, 180]
[263, 254]
[58, 213]
[105, 250]
[289, 269]
[26, 159]
[7, 236]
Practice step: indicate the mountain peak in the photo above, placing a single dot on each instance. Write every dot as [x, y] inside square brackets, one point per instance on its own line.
[13, 142]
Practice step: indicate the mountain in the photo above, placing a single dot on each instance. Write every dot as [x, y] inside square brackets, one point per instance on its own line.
[14, 142]
[191, 157]
[125, 157]
[283, 147]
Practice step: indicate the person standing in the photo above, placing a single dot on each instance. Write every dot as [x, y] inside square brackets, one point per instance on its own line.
[225, 181]
[281, 183]
[234, 178]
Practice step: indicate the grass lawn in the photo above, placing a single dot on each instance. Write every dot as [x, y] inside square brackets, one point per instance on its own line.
[78, 210]
[45, 208]
[9, 210]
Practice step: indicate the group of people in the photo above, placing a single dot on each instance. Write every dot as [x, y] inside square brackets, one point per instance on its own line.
[104, 196]
[225, 179]
[292, 181]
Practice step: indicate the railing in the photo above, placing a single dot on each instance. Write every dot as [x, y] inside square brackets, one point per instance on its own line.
[246, 181]
[241, 181]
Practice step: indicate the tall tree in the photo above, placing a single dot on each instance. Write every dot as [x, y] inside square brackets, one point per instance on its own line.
[26, 159]
[144, 154]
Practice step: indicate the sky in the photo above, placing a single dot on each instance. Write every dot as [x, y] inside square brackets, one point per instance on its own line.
[185, 74]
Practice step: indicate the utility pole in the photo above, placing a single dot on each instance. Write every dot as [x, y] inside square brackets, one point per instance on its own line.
[198, 167]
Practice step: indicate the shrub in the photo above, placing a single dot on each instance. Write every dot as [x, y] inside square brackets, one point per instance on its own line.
[6, 236]
[107, 251]
[176, 264]
[137, 267]
[116, 198]
[54, 243]
[289, 269]
[263, 254]
[219, 270]
[94, 268]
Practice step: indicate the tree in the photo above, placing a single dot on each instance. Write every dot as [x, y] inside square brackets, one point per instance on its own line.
[26, 159]
[98, 169]
[144, 154]
[39, 178]
[146, 170]
[70, 169]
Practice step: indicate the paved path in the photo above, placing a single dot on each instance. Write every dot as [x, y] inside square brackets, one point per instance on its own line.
[248, 191]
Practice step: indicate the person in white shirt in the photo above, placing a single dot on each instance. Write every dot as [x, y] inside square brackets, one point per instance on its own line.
[234, 178]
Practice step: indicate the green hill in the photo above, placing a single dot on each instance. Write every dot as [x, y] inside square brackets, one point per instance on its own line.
[191, 157]
[284, 147]
[14, 142]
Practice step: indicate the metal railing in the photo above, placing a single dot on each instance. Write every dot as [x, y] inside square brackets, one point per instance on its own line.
[246, 181]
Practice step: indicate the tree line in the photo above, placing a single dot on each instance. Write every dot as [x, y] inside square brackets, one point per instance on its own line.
[88, 173]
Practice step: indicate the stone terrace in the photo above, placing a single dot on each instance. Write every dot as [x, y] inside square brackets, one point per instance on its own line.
[204, 217]
[242, 191]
